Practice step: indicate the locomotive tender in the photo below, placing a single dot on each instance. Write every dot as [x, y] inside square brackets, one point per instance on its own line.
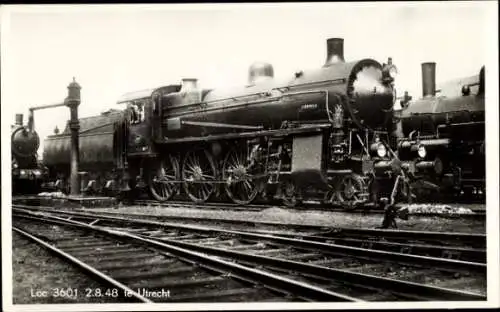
[27, 172]
[442, 135]
[97, 158]
[323, 131]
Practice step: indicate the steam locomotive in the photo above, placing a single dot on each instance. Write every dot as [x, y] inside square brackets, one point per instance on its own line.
[441, 137]
[27, 172]
[321, 133]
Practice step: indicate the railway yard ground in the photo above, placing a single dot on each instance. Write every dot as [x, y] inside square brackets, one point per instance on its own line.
[468, 218]
[36, 270]
[311, 217]
[35, 267]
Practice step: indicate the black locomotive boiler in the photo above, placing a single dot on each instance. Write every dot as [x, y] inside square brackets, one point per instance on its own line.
[321, 132]
[443, 135]
[27, 171]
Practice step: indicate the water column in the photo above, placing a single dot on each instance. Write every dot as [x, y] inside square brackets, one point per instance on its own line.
[73, 101]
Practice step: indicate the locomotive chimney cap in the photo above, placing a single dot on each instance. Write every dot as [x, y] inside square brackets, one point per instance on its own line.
[481, 81]
[260, 71]
[334, 51]
[19, 119]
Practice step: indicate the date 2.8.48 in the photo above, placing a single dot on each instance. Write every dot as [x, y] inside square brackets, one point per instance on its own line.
[98, 292]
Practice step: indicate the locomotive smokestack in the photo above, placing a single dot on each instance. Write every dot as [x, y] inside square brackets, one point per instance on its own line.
[19, 119]
[334, 51]
[480, 91]
[428, 79]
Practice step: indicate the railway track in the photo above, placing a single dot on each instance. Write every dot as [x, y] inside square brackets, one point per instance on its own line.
[305, 255]
[147, 271]
[313, 206]
[287, 229]
[367, 210]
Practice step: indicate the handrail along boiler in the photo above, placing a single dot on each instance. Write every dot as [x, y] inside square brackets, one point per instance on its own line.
[321, 132]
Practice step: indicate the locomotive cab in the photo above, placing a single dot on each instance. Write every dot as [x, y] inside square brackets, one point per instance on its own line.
[138, 111]
[144, 111]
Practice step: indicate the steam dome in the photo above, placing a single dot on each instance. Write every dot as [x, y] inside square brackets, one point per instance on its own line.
[260, 71]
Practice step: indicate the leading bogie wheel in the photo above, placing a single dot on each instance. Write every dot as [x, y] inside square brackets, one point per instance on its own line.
[350, 190]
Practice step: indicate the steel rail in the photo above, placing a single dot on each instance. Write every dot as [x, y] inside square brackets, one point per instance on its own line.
[306, 291]
[415, 260]
[401, 288]
[475, 254]
[335, 232]
[85, 267]
[368, 209]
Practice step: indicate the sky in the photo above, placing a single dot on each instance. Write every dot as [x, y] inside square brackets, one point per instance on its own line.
[115, 49]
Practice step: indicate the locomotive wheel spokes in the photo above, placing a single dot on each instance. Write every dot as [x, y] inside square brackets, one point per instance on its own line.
[162, 183]
[239, 173]
[199, 175]
[349, 190]
[331, 195]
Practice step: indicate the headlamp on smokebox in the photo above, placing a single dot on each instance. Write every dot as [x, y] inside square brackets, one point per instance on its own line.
[378, 149]
[420, 150]
[389, 71]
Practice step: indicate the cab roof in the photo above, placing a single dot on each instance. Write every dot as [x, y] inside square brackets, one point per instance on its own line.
[147, 93]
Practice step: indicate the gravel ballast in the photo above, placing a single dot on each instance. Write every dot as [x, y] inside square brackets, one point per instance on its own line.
[40, 277]
[315, 217]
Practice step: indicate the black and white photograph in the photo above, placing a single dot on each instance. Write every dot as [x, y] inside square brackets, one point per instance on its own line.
[224, 156]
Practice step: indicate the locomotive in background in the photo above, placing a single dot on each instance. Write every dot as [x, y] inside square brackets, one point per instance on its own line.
[97, 155]
[321, 133]
[27, 171]
[441, 137]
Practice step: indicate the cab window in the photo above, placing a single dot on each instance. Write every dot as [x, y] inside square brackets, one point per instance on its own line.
[135, 112]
